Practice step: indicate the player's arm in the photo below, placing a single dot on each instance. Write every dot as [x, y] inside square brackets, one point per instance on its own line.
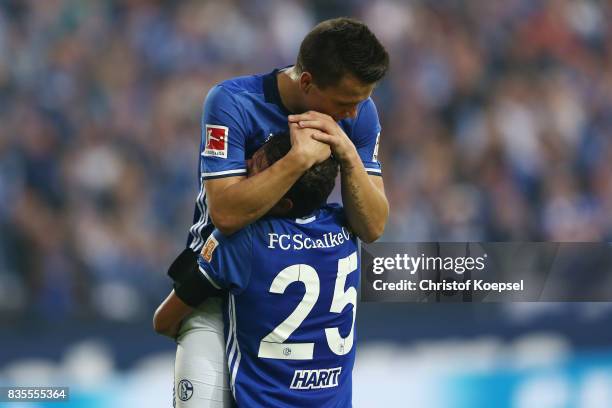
[363, 195]
[168, 316]
[224, 263]
[364, 199]
[235, 202]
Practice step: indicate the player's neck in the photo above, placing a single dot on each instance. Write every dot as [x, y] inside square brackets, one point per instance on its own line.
[289, 90]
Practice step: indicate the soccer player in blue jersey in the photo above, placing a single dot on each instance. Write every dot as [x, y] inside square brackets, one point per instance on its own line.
[292, 278]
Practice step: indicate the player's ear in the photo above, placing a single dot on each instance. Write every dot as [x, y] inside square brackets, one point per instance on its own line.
[285, 205]
[305, 81]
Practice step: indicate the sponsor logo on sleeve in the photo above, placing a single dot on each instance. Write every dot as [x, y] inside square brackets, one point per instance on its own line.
[216, 141]
[209, 247]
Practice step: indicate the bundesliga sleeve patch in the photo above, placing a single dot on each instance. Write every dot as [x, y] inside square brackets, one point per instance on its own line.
[216, 141]
[209, 247]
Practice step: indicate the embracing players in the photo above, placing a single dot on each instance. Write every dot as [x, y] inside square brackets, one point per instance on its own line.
[328, 92]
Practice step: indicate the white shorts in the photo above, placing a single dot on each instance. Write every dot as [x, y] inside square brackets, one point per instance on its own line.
[201, 378]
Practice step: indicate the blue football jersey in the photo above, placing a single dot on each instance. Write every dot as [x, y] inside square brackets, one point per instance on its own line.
[290, 310]
[238, 117]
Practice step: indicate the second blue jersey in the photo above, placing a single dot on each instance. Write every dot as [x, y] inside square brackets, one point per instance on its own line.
[239, 115]
[290, 312]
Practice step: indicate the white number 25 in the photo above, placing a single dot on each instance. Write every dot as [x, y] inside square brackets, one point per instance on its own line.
[273, 345]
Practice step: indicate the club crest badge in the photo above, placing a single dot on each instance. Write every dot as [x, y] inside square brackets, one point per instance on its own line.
[185, 390]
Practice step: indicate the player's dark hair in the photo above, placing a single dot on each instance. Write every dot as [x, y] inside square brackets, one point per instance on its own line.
[339, 46]
[312, 189]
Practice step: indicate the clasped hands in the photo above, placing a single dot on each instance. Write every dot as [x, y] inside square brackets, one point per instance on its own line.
[316, 135]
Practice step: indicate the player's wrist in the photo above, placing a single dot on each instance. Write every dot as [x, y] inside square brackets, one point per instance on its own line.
[299, 160]
[348, 157]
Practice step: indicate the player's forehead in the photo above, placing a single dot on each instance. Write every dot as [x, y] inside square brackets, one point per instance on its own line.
[350, 89]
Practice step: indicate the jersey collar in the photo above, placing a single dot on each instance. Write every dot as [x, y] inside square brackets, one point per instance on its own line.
[271, 93]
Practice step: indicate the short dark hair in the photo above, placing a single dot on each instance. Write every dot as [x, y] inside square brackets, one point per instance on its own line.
[339, 46]
[313, 188]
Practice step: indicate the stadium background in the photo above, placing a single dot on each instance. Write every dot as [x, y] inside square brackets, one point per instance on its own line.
[497, 125]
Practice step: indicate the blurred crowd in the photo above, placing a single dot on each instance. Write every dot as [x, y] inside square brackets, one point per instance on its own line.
[496, 116]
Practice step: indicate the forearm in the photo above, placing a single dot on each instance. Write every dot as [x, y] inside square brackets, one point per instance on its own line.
[171, 330]
[365, 204]
[242, 203]
[168, 316]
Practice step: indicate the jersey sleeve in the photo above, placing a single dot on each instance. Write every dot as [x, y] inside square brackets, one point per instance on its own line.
[365, 134]
[223, 136]
[226, 261]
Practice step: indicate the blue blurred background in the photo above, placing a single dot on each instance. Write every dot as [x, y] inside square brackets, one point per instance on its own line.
[497, 125]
